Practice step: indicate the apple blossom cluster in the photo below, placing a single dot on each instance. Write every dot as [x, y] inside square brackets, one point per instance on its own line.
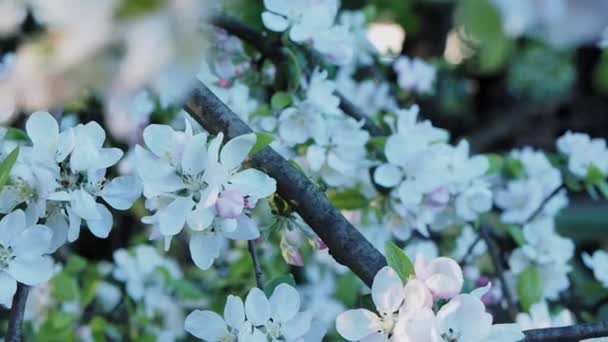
[191, 180]
[77, 41]
[408, 312]
[52, 189]
[433, 184]
[311, 22]
[277, 318]
[414, 74]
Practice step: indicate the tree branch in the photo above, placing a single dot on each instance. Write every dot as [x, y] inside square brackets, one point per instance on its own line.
[15, 321]
[573, 333]
[259, 276]
[273, 50]
[498, 269]
[345, 242]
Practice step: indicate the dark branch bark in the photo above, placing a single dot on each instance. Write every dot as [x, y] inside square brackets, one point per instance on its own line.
[573, 333]
[273, 50]
[345, 242]
[15, 321]
[498, 269]
[257, 268]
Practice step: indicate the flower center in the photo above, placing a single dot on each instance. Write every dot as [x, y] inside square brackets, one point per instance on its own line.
[273, 329]
[6, 255]
[387, 323]
[450, 335]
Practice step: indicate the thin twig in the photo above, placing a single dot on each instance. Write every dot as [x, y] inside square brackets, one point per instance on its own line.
[273, 50]
[470, 250]
[572, 333]
[259, 276]
[346, 244]
[499, 270]
[542, 206]
[15, 322]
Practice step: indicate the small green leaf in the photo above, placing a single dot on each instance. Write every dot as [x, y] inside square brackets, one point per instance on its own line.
[496, 163]
[377, 142]
[98, 328]
[7, 165]
[64, 288]
[515, 168]
[16, 134]
[262, 140]
[594, 175]
[398, 261]
[280, 100]
[273, 283]
[517, 234]
[348, 199]
[262, 110]
[529, 287]
[136, 8]
[75, 264]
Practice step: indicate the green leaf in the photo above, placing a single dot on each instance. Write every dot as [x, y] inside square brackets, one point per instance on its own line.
[186, 289]
[398, 261]
[7, 165]
[135, 8]
[98, 328]
[273, 283]
[496, 163]
[603, 188]
[517, 234]
[280, 100]
[75, 264]
[377, 142]
[529, 287]
[348, 199]
[515, 168]
[64, 288]
[262, 140]
[262, 110]
[16, 134]
[594, 175]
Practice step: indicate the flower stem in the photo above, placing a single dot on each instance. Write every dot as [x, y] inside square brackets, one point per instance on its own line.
[259, 276]
[15, 322]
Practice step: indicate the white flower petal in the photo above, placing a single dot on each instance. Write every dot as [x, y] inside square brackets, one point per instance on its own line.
[83, 205]
[388, 175]
[387, 290]
[74, 225]
[297, 327]
[253, 182]
[157, 139]
[204, 248]
[355, 325]
[284, 303]
[235, 151]
[246, 229]
[101, 227]
[200, 218]
[172, 219]
[122, 191]
[206, 325]
[31, 271]
[274, 22]
[257, 307]
[8, 286]
[11, 226]
[194, 158]
[32, 242]
[234, 312]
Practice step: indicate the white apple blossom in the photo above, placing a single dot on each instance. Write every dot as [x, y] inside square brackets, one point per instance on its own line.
[189, 181]
[209, 326]
[23, 254]
[388, 294]
[464, 318]
[143, 280]
[415, 74]
[598, 262]
[540, 317]
[442, 276]
[584, 152]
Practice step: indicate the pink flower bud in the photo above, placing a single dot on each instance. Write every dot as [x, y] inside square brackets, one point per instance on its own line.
[439, 197]
[229, 204]
[442, 276]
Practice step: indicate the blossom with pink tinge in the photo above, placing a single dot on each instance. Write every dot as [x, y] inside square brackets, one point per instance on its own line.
[442, 276]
